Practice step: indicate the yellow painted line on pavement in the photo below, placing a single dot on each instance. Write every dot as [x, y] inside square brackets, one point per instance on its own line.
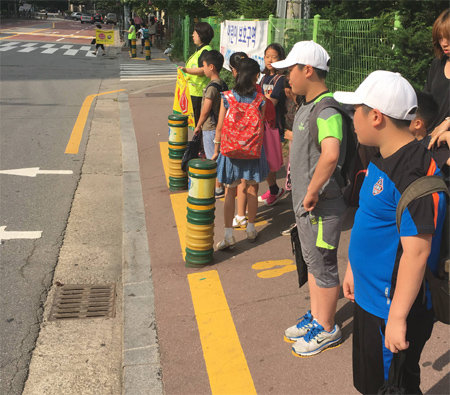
[34, 33]
[225, 361]
[164, 148]
[4, 38]
[77, 132]
[179, 204]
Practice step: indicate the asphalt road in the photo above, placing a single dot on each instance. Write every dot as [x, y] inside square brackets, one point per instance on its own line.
[40, 98]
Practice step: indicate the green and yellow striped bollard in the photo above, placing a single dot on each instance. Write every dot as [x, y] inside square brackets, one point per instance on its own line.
[200, 212]
[178, 137]
[133, 48]
[148, 54]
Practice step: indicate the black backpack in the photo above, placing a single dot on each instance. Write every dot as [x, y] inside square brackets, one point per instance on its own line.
[439, 284]
[221, 88]
[350, 174]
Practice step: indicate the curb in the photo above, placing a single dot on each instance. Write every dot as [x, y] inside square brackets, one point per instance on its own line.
[141, 362]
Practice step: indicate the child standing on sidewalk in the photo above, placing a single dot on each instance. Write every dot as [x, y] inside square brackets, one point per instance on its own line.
[386, 266]
[316, 196]
[241, 106]
[273, 88]
[209, 114]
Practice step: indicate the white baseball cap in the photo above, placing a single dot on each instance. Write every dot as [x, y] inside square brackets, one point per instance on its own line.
[386, 91]
[306, 53]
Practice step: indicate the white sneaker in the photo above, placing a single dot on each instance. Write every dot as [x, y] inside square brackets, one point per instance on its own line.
[239, 223]
[293, 333]
[251, 235]
[226, 243]
[317, 340]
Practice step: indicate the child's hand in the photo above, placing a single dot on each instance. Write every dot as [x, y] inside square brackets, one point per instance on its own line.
[216, 152]
[197, 129]
[310, 200]
[440, 133]
[288, 135]
[348, 285]
[395, 335]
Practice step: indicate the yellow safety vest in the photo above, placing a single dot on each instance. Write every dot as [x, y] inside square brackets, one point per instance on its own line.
[197, 82]
[132, 33]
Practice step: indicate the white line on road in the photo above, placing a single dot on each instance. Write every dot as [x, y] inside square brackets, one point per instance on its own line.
[33, 172]
[89, 54]
[66, 46]
[47, 45]
[60, 39]
[85, 48]
[29, 45]
[71, 52]
[7, 44]
[8, 48]
[4, 235]
[27, 49]
[50, 50]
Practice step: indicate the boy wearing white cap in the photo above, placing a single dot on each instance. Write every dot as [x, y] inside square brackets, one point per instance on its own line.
[316, 195]
[386, 266]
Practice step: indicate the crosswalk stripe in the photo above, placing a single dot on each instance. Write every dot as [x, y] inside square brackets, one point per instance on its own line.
[85, 48]
[50, 50]
[6, 48]
[10, 43]
[71, 52]
[66, 46]
[27, 49]
[29, 45]
[89, 54]
[48, 45]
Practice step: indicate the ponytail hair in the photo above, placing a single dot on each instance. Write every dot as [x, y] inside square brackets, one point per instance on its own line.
[236, 58]
[245, 80]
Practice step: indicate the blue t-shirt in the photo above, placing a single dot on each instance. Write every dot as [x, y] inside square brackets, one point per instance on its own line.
[375, 248]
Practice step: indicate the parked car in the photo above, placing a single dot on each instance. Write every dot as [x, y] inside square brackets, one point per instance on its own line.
[98, 18]
[86, 18]
[111, 18]
[75, 16]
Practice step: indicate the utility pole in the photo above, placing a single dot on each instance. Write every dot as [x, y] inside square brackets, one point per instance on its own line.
[294, 9]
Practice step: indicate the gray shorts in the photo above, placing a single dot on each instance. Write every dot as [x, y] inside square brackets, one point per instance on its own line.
[319, 237]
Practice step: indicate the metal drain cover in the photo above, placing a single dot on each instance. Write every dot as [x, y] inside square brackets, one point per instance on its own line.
[83, 301]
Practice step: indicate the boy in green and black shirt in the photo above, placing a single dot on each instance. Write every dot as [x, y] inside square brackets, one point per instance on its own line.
[316, 196]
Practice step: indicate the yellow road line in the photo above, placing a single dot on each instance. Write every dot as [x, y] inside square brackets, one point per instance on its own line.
[179, 204]
[77, 132]
[164, 148]
[4, 38]
[225, 361]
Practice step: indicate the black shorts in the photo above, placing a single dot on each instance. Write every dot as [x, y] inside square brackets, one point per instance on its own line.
[372, 360]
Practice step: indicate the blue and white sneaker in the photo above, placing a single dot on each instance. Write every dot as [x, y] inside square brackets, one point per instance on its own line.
[293, 333]
[317, 340]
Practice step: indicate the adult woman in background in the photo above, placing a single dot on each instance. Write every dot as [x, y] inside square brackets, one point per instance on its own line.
[438, 81]
[202, 36]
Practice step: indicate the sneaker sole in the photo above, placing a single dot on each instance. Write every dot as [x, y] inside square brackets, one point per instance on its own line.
[275, 201]
[328, 346]
[288, 340]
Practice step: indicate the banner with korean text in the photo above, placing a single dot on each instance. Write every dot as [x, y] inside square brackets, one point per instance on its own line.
[243, 36]
[182, 103]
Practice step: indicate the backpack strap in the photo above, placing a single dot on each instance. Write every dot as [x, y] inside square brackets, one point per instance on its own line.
[326, 102]
[230, 97]
[421, 187]
[258, 100]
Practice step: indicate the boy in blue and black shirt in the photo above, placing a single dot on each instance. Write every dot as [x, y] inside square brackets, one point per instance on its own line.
[386, 266]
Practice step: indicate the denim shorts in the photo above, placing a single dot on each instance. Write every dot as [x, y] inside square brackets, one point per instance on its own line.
[208, 142]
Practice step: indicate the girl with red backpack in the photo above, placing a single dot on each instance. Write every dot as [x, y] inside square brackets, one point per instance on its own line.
[238, 147]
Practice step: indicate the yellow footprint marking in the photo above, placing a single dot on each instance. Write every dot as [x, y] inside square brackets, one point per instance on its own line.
[277, 268]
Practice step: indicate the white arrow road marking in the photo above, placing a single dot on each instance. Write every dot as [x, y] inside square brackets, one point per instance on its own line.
[4, 235]
[33, 172]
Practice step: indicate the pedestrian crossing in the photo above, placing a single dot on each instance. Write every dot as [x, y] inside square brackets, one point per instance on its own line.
[48, 49]
[147, 72]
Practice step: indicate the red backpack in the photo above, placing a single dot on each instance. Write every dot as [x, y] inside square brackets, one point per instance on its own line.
[243, 128]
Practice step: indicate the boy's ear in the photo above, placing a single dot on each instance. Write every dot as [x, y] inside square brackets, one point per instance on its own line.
[308, 70]
[376, 117]
[417, 124]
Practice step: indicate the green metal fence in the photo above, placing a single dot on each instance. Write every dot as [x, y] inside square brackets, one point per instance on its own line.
[353, 44]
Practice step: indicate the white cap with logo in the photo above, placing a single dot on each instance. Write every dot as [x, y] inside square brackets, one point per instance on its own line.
[385, 91]
[306, 53]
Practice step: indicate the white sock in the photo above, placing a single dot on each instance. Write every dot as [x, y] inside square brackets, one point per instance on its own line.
[250, 226]
[239, 218]
[228, 233]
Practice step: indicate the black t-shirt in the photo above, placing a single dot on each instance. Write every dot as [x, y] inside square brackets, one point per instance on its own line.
[438, 85]
[276, 92]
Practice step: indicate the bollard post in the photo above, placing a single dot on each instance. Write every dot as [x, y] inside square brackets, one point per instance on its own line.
[148, 54]
[133, 48]
[200, 212]
[178, 137]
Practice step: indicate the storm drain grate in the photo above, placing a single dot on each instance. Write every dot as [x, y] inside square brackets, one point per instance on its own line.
[83, 301]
